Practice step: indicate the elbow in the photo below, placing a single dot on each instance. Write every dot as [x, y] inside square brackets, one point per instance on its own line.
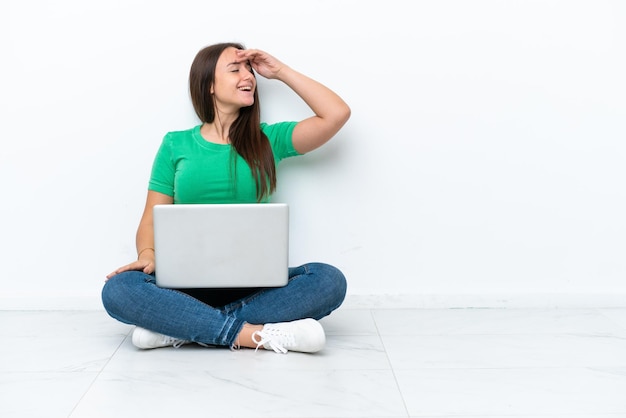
[348, 113]
[343, 115]
[340, 117]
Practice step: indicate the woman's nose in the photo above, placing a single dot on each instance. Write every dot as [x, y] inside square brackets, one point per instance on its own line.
[247, 74]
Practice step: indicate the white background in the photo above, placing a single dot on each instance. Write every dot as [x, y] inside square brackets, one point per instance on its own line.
[484, 163]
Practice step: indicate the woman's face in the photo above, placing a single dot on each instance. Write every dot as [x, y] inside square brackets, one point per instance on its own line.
[234, 81]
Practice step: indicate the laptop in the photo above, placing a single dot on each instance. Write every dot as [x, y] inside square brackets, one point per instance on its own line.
[221, 245]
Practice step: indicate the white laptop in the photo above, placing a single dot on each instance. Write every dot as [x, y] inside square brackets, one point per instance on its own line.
[221, 245]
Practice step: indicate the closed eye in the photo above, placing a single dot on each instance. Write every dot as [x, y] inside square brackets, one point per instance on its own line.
[237, 65]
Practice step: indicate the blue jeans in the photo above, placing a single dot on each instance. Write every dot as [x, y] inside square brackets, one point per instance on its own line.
[314, 290]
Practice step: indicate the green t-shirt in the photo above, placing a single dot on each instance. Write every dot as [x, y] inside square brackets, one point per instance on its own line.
[193, 170]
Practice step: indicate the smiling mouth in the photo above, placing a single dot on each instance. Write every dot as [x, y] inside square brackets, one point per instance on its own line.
[245, 88]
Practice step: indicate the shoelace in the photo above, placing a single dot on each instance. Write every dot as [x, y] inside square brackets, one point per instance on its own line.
[176, 343]
[276, 339]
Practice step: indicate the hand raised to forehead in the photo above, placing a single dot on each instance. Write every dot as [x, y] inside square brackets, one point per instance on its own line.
[262, 62]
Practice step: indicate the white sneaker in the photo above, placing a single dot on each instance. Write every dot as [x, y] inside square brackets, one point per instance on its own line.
[143, 338]
[304, 335]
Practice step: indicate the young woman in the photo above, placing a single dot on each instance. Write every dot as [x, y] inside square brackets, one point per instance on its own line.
[231, 157]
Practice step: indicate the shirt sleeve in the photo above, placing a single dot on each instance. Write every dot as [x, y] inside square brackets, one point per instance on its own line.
[162, 176]
[280, 137]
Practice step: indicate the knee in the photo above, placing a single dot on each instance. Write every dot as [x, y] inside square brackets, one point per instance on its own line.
[111, 291]
[333, 279]
[119, 288]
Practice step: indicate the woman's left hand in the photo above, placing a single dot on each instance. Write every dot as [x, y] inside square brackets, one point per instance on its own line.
[262, 62]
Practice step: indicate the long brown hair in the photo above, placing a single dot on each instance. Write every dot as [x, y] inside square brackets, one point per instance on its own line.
[245, 134]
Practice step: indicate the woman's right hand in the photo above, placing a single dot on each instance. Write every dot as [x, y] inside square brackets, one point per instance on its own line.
[143, 264]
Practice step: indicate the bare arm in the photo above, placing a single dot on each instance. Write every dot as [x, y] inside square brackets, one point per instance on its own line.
[331, 112]
[145, 236]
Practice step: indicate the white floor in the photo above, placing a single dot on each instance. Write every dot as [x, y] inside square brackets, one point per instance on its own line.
[378, 363]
